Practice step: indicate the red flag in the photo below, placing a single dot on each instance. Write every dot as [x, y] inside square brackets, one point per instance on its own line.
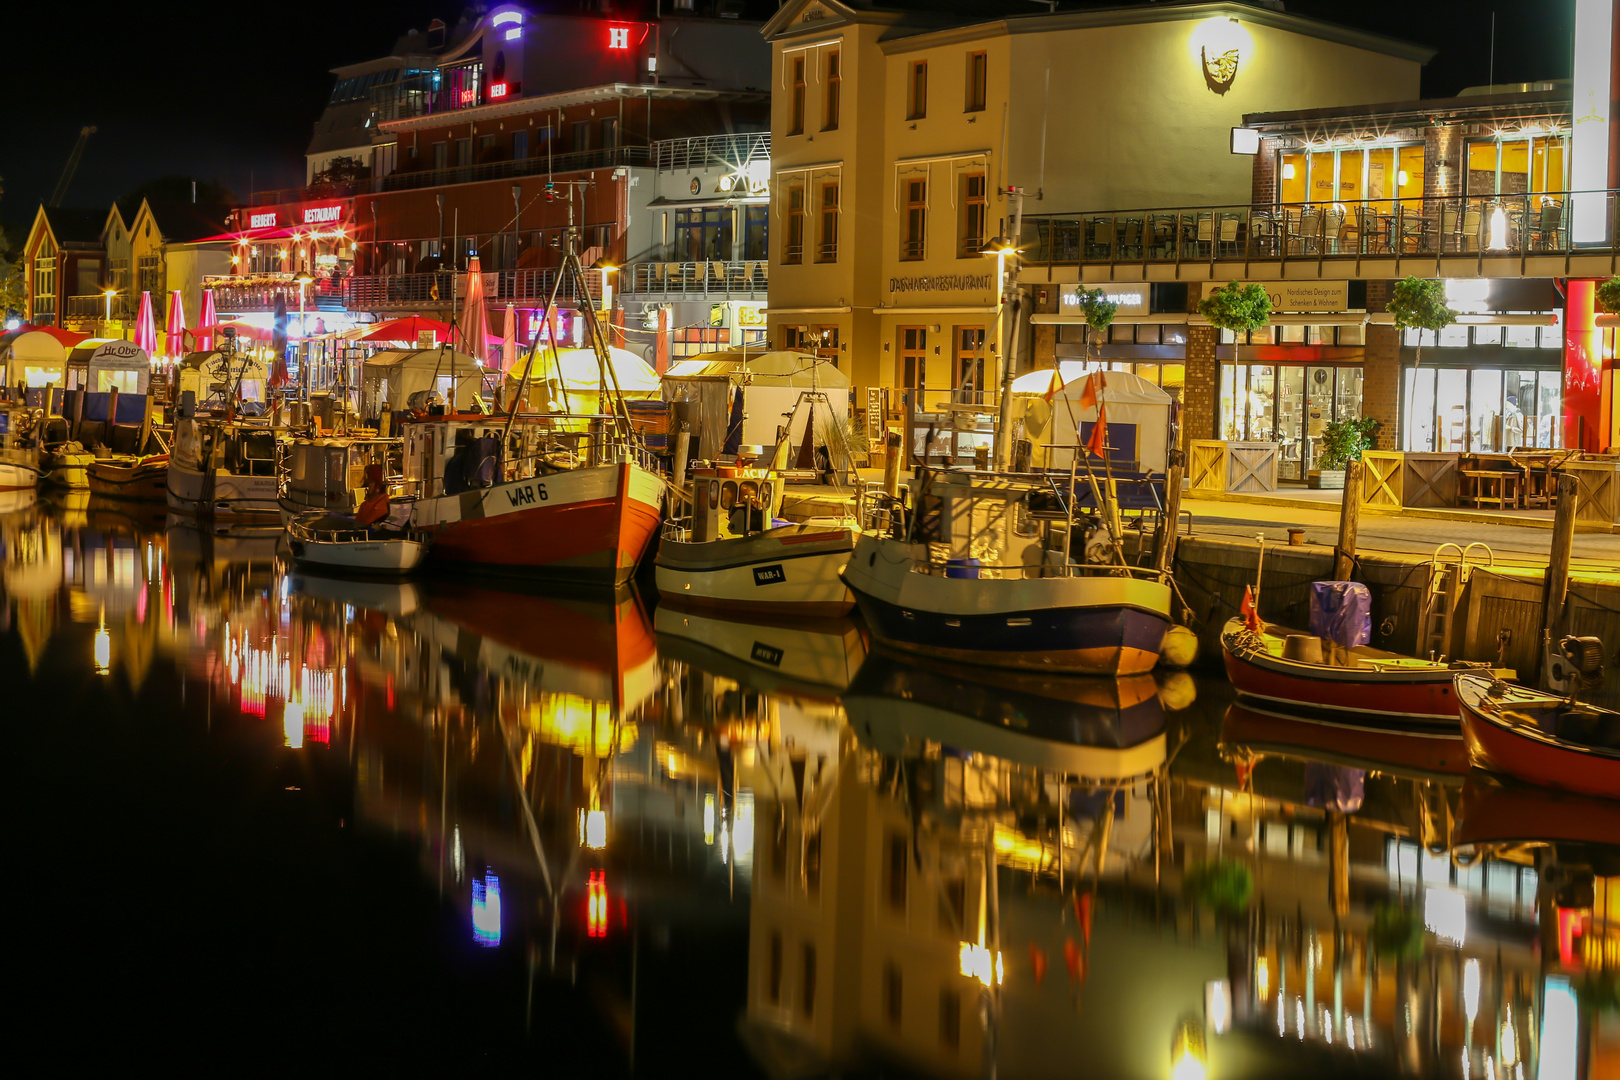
[1097, 442]
[1055, 388]
[1037, 960]
[1251, 615]
[1072, 957]
[1082, 915]
[1089, 394]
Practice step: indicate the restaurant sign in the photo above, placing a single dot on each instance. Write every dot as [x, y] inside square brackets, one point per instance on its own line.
[1303, 295]
[298, 215]
[940, 283]
[1132, 299]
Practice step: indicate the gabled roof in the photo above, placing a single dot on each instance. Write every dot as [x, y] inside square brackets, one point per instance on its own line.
[113, 215]
[73, 226]
[184, 222]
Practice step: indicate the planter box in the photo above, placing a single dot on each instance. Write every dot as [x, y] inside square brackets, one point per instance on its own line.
[1325, 479]
[1248, 468]
[1391, 479]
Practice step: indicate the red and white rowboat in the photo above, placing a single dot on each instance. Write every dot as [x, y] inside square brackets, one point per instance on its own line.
[1364, 680]
[1540, 738]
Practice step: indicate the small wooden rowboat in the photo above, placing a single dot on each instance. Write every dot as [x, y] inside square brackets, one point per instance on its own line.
[1540, 738]
[1342, 740]
[318, 539]
[1359, 680]
[125, 477]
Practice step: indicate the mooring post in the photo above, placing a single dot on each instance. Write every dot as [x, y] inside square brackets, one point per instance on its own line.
[1164, 555]
[1344, 555]
[683, 447]
[1563, 543]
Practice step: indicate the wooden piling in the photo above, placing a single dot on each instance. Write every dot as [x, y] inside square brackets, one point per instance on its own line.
[1344, 555]
[683, 446]
[1164, 553]
[1563, 542]
[891, 465]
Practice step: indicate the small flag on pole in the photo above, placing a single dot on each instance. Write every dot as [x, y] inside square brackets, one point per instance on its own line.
[1055, 388]
[1251, 617]
[1097, 442]
[1091, 393]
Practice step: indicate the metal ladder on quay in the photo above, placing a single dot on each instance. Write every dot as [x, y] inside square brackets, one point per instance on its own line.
[1448, 575]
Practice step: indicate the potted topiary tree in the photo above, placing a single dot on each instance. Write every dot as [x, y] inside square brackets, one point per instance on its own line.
[1608, 296]
[1238, 308]
[1342, 442]
[1420, 304]
[1099, 312]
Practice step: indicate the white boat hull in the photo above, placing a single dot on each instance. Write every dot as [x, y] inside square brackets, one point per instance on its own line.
[17, 477]
[383, 556]
[222, 495]
[772, 573]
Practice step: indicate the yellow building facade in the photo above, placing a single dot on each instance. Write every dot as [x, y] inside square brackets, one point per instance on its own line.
[903, 144]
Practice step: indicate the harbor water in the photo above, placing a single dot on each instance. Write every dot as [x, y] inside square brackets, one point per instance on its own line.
[269, 820]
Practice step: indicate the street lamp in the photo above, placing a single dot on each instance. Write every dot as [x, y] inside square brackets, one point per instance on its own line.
[608, 270]
[109, 294]
[1001, 248]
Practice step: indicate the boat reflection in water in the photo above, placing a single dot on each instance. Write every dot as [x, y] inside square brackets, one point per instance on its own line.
[663, 823]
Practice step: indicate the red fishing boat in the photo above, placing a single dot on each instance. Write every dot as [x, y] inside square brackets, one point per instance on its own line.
[537, 499]
[1343, 741]
[1540, 738]
[1272, 666]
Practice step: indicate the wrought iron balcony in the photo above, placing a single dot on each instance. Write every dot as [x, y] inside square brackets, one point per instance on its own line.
[94, 307]
[433, 291]
[1490, 231]
[696, 280]
[537, 165]
[709, 151]
[238, 293]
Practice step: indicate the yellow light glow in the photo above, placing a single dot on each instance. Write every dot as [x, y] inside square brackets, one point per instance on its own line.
[708, 820]
[596, 829]
[1214, 37]
[578, 723]
[103, 651]
[974, 962]
[1262, 977]
[1014, 849]
[1187, 1067]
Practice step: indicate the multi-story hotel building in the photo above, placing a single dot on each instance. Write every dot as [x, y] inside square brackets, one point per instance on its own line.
[905, 138]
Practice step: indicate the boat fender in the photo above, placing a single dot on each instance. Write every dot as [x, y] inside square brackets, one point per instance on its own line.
[1180, 647]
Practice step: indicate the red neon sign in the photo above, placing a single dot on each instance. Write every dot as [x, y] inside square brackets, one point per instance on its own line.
[498, 90]
[466, 97]
[618, 37]
[596, 913]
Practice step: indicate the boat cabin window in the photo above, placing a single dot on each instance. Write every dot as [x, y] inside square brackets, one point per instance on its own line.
[728, 494]
[714, 494]
[749, 492]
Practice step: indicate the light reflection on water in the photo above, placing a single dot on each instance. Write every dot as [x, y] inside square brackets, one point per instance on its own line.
[585, 781]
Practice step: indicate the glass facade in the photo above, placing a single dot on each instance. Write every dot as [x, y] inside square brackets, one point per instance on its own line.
[1465, 410]
[1290, 404]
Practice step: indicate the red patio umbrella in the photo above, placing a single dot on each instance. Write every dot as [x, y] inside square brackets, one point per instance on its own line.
[174, 329]
[407, 329]
[146, 327]
[243, 330]
[509, 340]
[206, 318]
[68, 338]
[473, 329]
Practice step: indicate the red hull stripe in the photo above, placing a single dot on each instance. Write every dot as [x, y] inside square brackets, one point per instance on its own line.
[598, 538]
[1433, 701]
[1501, 750]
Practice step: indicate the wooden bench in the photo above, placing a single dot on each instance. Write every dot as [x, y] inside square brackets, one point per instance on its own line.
[1488, 487]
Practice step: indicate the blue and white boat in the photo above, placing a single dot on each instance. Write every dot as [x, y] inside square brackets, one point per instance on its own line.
[998, 570]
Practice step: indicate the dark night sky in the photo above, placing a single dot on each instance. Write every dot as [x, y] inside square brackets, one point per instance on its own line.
[222, 90]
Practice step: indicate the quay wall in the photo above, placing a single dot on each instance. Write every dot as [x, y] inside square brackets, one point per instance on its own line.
[1497, 612]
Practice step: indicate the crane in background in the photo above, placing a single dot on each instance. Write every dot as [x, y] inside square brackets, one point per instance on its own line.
[72, 166]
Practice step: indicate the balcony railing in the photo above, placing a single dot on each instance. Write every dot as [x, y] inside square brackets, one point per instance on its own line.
[1485, 227]
[578, 161]
[258, 292]
[95, 306]
[746, 280]
[707, 151]
[433, 291]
